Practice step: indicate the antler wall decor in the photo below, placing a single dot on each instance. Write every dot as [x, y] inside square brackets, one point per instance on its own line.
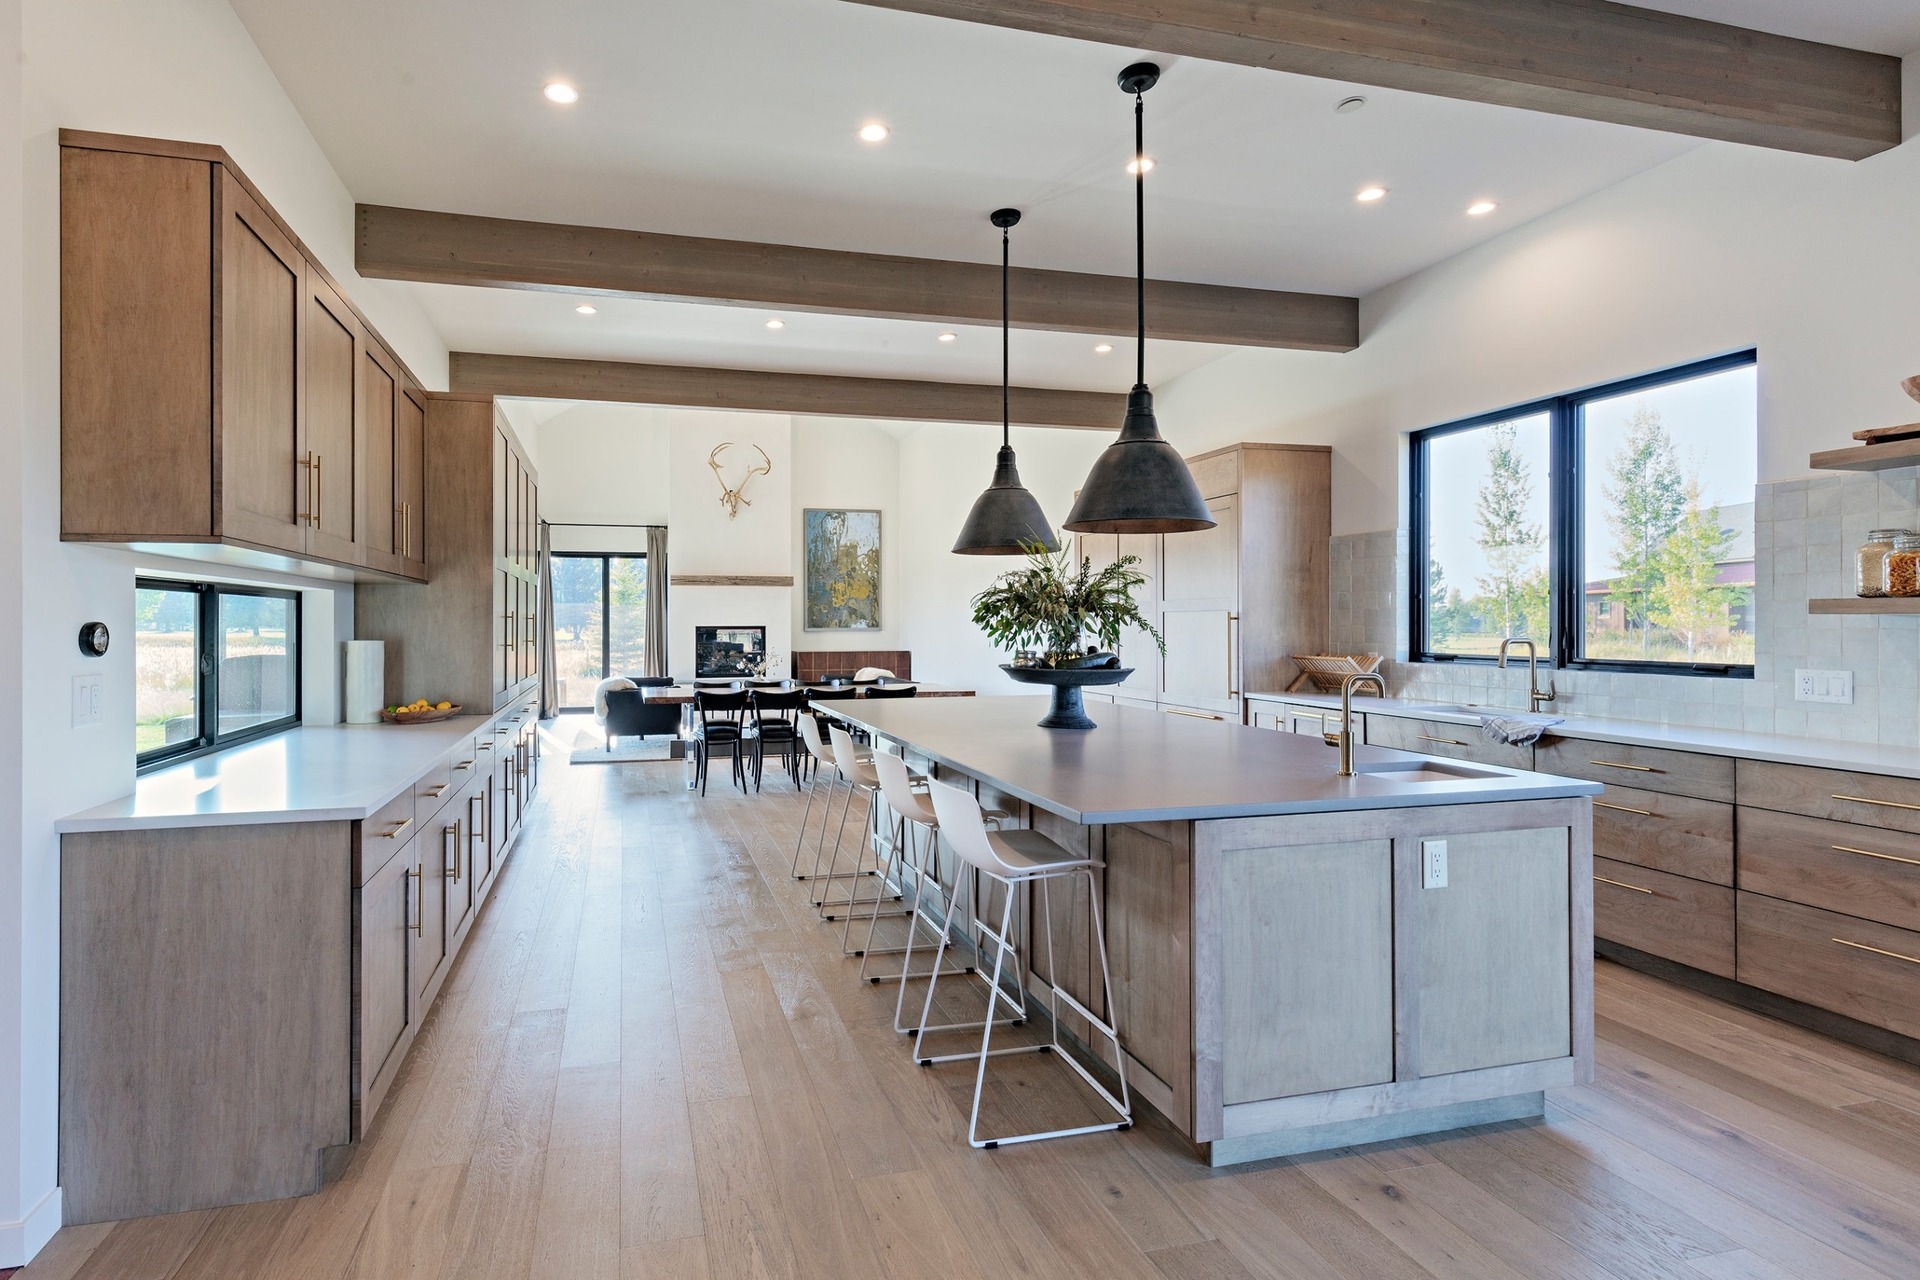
[733, 499]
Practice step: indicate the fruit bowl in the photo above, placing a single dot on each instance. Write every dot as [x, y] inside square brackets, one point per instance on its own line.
[405, 716]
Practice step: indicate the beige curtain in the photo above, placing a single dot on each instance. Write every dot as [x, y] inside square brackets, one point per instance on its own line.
[549, 678]
[656, 641]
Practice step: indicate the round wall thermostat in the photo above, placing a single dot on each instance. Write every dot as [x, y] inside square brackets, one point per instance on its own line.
[93, 639]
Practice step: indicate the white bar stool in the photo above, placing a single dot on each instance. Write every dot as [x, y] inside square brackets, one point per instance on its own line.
[1013, 859]
[823, 766]
[856, 772]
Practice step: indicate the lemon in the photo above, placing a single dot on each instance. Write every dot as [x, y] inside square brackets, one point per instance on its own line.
[443, 706]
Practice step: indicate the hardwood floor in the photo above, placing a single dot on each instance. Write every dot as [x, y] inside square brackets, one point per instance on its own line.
[652, 1061]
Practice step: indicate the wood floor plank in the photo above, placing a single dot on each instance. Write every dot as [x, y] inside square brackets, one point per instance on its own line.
[1201, 1260]
[67, 1252]
[411, 1230]
[577, 1232]
[1433, 1242]
[234, 1240]
[146, 1248]
[1331, 1228]
[740, 1201]
[914, 1236]
[1739, 1265]
[682, 1259]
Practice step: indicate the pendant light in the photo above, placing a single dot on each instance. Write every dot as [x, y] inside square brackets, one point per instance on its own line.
[1140, 483]
[1006, 520]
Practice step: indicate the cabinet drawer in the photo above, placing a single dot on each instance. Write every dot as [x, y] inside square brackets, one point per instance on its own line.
[1865, 798]
[1195, 713]
[466, 763]
[1677, 834]
[1858, 871]
[1439, 738]
[1687, 921]
[432, 790]
[1861, 970]
[385, 834]
[1680, 773]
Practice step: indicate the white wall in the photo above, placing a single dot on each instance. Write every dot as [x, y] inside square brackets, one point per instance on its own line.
[943, 469]
[164, 68]
[1814, 262]
[853, 465]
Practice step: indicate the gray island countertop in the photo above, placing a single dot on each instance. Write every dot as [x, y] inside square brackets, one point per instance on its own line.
[1147, 766]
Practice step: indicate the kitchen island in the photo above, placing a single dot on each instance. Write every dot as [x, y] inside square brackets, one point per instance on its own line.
[1300, 961]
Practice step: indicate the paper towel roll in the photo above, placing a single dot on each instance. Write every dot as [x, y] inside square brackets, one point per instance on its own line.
[366, 681]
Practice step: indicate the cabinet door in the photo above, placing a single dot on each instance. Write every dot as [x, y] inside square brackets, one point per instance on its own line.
[502, 506]
[264, 489]
[502, 632]
[439, 846]
[388, 915]
[410, 479]
[1199, 612]
[334, 448]
[379, 390]
[469, 858]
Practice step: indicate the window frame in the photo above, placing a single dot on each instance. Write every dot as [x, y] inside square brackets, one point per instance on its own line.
[1566, 522]
[606, 559]
[206, 676]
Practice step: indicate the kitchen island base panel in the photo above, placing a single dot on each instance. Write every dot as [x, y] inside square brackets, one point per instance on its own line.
[1354, 1133]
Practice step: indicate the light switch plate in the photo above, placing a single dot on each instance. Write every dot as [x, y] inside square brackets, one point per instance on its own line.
[1823, 686]
[1433, 864]
[87, 694]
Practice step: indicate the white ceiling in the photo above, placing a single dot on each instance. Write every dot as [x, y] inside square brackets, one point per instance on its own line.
[736, 118]
[1881, 26]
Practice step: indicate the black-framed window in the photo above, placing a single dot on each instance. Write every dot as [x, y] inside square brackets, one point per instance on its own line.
[1613, 526]
[214, 664]
[599, 621]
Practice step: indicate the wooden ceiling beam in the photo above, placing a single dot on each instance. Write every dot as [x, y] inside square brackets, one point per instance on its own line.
[818, 395]
[1587, 58]
[453, 248]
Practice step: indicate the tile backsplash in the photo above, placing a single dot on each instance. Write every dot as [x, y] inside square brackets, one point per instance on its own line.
[1805, 536]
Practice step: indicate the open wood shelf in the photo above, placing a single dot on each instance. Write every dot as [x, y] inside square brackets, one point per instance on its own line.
[1866, 604]
[1869, 457]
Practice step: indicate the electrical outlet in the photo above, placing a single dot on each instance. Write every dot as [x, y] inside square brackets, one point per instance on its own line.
[1433, 864]
[86, 700]
[1823, 686]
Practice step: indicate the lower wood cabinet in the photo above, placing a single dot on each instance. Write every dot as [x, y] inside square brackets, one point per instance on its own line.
[1443, 738]
[1674, 917]
[384, 992]
[1858, 871]
[1861, 970]
[1676, 834]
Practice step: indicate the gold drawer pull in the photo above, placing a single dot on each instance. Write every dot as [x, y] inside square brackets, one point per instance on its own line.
[435, 792]
[1197, 715]
[1868, 853]
[398, 827]
[1451, 742]
[1622, 884]
[1884, 804]
[1891, 955]
[1615, 764]
[1645, 813]
[463, 764]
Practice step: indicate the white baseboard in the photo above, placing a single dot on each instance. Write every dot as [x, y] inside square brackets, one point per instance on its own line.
[20, 1240]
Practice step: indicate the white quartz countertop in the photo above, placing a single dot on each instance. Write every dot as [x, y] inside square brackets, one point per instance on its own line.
[331, 773]
[1780, 748]
[1145, 766]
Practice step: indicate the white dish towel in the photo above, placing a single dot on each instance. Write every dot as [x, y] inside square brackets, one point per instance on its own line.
[1516, 730]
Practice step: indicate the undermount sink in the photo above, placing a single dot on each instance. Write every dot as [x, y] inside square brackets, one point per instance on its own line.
[1423, 771]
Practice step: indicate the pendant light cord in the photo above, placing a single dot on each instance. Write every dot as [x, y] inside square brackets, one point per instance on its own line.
[1140, 233]
[1006, 371]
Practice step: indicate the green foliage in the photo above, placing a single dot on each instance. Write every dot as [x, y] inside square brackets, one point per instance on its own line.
[1052, 606]
[1444, 606]
[1646, 497]
[1506, 538]
[1687, 598]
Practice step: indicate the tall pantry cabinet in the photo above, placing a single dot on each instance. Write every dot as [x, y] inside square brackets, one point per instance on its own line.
[470, 634]
[1236, 601]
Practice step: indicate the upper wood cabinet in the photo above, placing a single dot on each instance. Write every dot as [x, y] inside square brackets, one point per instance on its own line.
[220, 396]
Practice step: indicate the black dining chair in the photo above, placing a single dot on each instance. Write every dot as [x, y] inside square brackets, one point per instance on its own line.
[775, 716]
[720, 725]
[892, 691]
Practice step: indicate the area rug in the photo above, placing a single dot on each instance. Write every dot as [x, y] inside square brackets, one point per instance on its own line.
[630, 751]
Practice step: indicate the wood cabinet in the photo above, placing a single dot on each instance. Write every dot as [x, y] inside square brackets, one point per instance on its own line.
[221, 398]
[385, 994]
[1233, 602]
[1677, 918]
[471, 635]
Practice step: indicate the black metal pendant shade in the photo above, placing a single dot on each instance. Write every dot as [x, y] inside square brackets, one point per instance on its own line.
[1006, 520]
[1139, 483]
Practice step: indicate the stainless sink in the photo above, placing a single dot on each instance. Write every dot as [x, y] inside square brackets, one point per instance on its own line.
[1424, 771]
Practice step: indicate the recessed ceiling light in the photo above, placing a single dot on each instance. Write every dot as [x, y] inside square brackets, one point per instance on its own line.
[1368, 195]
[1481, 208]
[1103, 348]
[1140, 164]
[874, 131]
[949, 337]
[1347, 106]
[776, 323]
[586, 308]
[562, 92]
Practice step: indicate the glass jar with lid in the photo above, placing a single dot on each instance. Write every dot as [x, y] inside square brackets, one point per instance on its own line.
[1871, 576]
[1903, 566]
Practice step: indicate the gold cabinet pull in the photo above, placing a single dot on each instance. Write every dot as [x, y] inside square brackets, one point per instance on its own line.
[419, 905]
[1622, 884]
[450, 845]
[463, 764]
[397, 828]
[305, 463]
[1884, 804]
[1451, 742]
[1231, 691]
[437, 790]
[1615, 764]
[1891, 955]
[1645, 813]
[1196, 715]
[1868, 853]
[319, 489]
